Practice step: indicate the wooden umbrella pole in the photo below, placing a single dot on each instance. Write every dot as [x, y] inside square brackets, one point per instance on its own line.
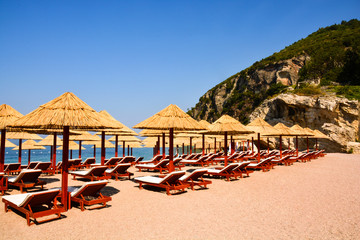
[51, 151]
[158, 145]
[258, 145]
[116, 145]
[123, 148]
[94, 151]
[70, 153]
[231, 145]
[20, 150]
[171, 150]
[128, 152]
[243, 146]
[190, 145]
[163, 145]
[80, 142]
[316, 144]
[252, 145]
[29, 156]
[268, 145]
[280, 146]
[225, 149]
[2, 150]
[102, 147]
[131, 151]
[65, 170]
[203, 144]
[54, 153]
[297, 146]
[214, 145]
[307, 143]
[183, 148]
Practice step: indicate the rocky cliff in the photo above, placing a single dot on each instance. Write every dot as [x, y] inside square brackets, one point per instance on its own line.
[336, 117]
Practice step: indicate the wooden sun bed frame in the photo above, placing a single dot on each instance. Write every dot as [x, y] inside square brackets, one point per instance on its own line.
[242, 169]
[45, 167]
[3, 183]
[94, 174]
[168, 182]
[89, 194]
[264, 165]
[196, 179]
[27, 179]
[27, 203]
[161, 166]
[227, 172]
[120, 170]
[87, 162]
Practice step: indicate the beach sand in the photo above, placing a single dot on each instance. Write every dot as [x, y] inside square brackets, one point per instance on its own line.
[314, 200]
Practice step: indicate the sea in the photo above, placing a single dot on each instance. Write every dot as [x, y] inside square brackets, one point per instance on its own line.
[11, 156]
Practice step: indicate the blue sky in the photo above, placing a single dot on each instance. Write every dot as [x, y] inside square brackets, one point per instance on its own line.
[133, 58]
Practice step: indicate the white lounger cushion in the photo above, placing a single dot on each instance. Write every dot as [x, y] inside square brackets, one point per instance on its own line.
[146, 165]
[21, 174]
[117, 166]
[74, 191]
[186, 177]
[20, 199]
[82, 172]
[157, 180]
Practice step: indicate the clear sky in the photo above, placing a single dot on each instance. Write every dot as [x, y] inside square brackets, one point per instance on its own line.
[134, 58]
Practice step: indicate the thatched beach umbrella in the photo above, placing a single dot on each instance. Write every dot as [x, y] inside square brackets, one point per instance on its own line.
[8, 116]
[157, 134]
[124, 130]
[9, 144]
[261, 127]
[64, 112]
[299, 131]
[124, 139]
[284, 131]
[227, 125]
[84, 136]
[72, 146]
[318, 134]
[52, 141]
[170, 118]
[30, 145]
[22, 136]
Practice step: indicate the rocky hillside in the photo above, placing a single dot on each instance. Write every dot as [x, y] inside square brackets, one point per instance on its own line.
[337, 117]
[329, 57]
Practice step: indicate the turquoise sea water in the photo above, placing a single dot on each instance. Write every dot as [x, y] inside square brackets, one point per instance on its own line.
[11, 156]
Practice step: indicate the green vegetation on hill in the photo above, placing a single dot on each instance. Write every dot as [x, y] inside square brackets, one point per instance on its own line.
[334, 53]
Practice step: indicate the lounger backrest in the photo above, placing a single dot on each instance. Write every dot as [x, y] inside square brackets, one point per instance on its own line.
[112, 161]
[163, 163]
[43, 165]
[43, 197]
[27, 176]
[98, 171]
[89, 189]
[32, 165]
[121, 167]
[12, 166]
[229, 167]
[128, 159]
[195, 175]
[89, 161]
[172, 177]
[139, 159]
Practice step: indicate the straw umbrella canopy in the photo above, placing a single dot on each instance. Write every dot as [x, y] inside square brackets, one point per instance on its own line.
[206, 125]
[64, 112]
[189, 135]
[72, 146]
[261, 127]
[20, 136]
[7, 117]
[48, 141]
[318, 134]
[84, 136]
[299, 131]
[124, 139]
[30, 145]
[124, 130]
[170, 118]
[9, 144]
[227, 125]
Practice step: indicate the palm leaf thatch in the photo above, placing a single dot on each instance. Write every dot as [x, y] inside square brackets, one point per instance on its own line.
[8, 144]
[170, 117]
[98, 144]
[49, 141]
[205, 124]
[8, 115]
[227, 124]
[30, 145]
[65, 110]
[262, 127]
[23, 135]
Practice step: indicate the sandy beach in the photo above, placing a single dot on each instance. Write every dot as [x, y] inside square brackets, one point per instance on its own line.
[314, 200]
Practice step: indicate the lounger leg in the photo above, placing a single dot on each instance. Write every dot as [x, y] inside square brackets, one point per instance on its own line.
[28, 219]
[168, 191]
[140, 185]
